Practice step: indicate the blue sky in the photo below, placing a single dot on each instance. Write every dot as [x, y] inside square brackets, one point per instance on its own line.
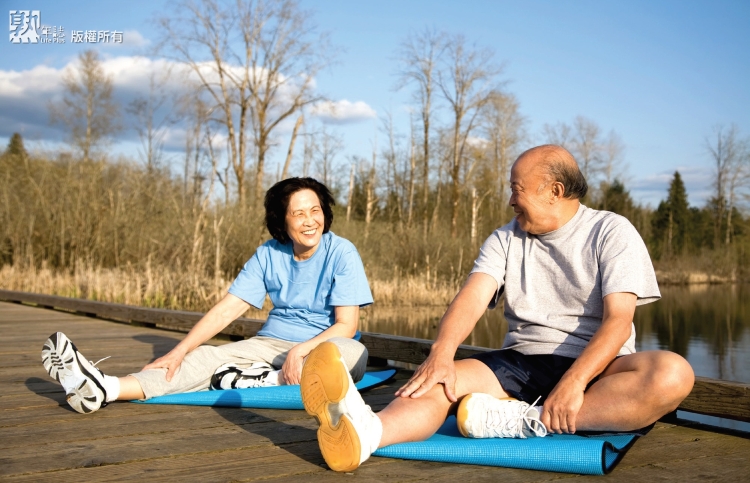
[661, 74]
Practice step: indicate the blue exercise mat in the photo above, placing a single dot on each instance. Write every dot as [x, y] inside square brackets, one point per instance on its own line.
[274, 397]
[591, 454]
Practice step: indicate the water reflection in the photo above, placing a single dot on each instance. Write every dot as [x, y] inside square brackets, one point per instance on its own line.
[707, 324]
[422, 323]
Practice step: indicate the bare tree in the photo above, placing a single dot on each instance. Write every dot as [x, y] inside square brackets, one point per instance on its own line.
[596, 155]
[503, 127]
[87, 108]
[256, 60]
[392, 178]
[418, 57]
[730, 159]
[328, 147]
[369, 174]
[412, 173]
[466, 81]
[560, 134]
[153, 117]
[587, 146]
[290, 152]
[350, 193]
[612, 152]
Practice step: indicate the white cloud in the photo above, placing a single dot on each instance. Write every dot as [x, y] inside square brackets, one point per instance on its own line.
[477, 142]
[343, 111]
[25, 96]
[130, 39]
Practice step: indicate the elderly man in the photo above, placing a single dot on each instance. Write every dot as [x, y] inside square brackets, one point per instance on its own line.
[572, 277]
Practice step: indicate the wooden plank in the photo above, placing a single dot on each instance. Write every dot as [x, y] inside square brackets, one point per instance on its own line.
[725, 400]
[44, 440]
[709, 396]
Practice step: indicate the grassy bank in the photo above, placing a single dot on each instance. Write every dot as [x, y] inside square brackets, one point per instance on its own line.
[161, 287]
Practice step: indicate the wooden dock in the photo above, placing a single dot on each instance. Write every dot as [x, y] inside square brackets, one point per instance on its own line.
[42, 439]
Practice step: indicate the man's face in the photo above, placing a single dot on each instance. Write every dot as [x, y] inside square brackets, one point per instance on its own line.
[532, 206]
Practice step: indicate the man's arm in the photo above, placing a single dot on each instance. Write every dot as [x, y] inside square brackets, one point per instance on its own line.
[457, 323]
[564, 402]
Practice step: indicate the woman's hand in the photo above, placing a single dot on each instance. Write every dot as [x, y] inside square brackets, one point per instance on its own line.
[291, 371]
[171, 362]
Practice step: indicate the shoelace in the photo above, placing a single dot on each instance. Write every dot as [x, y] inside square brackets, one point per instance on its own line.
[509, 425]
[97, 362]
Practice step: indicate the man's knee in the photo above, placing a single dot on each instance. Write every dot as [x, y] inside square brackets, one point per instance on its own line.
[670, 378]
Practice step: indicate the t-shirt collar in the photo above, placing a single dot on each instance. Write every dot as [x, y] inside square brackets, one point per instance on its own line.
[567, 228]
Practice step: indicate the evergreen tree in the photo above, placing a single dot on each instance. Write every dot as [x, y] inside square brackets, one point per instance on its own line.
[671, 220]
[616, 198]
[15, 146]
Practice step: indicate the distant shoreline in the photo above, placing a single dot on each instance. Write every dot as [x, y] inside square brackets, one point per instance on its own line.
[665, 277]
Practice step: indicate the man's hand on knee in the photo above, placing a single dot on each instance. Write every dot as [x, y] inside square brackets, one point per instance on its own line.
[434, 370]
[562, 406]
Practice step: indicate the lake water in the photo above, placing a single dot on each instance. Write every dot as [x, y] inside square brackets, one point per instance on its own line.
[709, 325]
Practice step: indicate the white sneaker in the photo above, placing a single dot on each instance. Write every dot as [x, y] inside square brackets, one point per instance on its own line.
[82, 381]
[230, 376]
[484, 416]
[349, 430]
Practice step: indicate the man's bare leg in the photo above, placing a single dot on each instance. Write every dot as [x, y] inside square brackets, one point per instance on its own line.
[635, 391]
[416, 419]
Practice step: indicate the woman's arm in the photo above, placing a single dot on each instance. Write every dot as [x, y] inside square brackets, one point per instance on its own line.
[220, 315]
[347, 321]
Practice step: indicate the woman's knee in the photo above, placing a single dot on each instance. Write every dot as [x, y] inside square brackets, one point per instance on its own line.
[354, 354]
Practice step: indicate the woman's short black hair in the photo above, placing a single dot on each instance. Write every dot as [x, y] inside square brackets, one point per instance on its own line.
[277, 203]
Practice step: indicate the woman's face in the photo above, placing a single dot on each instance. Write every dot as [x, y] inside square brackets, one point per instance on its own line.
[304, 223]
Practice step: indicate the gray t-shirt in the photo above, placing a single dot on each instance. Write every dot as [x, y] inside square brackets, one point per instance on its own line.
[554, 283]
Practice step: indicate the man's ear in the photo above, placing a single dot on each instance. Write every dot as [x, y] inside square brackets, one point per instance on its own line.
[558, 191]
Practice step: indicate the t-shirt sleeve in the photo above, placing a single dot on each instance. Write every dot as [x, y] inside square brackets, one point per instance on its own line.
[625, 265]
[350, 285]
[250, 283]
[491, 261]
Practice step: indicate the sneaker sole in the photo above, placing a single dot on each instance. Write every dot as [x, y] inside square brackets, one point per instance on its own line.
[324, 382]
[462, 414]
[54, 358]
[88, 396]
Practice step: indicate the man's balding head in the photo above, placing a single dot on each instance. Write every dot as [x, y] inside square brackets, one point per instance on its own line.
[558, 165]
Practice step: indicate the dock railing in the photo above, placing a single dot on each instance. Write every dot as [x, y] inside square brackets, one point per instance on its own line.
[713, 397]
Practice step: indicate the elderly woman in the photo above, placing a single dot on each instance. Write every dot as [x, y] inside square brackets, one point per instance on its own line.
[315, 280]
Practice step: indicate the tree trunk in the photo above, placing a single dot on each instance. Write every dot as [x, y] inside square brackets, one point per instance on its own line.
[291, 149]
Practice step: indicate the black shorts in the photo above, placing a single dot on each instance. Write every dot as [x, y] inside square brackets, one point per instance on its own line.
[526, 377]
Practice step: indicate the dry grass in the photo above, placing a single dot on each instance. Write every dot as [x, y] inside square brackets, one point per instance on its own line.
[160, 287]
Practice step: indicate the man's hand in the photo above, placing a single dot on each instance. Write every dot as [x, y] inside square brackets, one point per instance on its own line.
[562, 406]
[170, 361]
[291, 370]
[436, 369]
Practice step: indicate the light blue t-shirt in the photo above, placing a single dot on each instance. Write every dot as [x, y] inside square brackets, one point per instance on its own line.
[304, 293]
